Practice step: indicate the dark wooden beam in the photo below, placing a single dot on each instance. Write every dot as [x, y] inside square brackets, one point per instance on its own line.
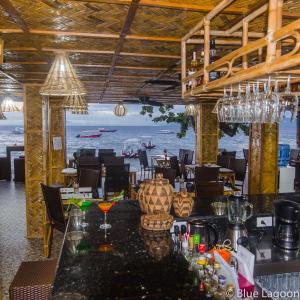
[129, 19]
[14, 14]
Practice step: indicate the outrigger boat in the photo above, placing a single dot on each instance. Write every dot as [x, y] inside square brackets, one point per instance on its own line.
[89, 135]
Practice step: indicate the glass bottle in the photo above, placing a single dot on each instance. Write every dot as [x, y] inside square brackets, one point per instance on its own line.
[212, 58]
[192, 70]
[220, 293]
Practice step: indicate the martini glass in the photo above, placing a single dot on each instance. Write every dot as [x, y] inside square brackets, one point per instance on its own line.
[84, 206]
[105, 206]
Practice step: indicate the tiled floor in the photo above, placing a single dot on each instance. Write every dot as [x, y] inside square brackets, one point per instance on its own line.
[14, 246]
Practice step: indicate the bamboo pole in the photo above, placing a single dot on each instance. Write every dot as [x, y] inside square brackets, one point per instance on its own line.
[248, 18]
[206, 49]
[183, 66]
[214, 12]
[272, 26]
[245, 42]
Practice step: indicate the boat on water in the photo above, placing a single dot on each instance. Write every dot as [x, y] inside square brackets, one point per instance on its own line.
[107, 130]
[166, 131]
[147, 142]
[18, 130]
[89, 135]
[131, 148]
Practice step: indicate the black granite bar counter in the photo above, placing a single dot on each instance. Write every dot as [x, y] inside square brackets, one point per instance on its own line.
[128, 262]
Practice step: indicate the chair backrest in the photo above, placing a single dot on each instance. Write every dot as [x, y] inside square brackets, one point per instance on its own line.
[117, 178]
[174, 164]
[168, 173]
[209, 189]
[113, 161]
[206, 174]
[89, 178]
[143, 157]
[231, 154]
[246, 154]
[297, 172]
[53, 204]
[105, 151]
[104, 155]
[294, 156]
[86, 152]
[88, 160]
[239, 166]
[186, 156]
[224, 161]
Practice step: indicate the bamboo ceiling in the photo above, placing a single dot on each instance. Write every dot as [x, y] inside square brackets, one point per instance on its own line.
[115, 46]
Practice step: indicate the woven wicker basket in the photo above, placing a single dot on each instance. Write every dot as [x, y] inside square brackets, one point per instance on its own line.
[183, 204]
[161, 221]
[156, 195]
[157, 243]
[141, 195]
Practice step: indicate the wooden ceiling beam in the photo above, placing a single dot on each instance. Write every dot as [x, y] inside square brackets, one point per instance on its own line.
[223, 33]
[136, 54]
[172, 5]
[125, 29]
[14, 14]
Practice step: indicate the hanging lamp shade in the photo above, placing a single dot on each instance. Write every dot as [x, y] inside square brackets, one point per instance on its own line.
[120, 110]
[9, 105]
[76, 104]
[190, 110]
[62, 79]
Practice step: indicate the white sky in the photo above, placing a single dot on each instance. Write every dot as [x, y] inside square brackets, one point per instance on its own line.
[99, 114]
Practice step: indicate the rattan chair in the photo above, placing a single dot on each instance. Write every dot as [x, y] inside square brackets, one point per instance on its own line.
[33, 280]
[224, 161]
[209, 189]
[86, 152]
[117, 179]
[4, 168]
[174, 164]
[246, 154]
[89, 178]
[113, 160]
[19, 169]
[203, 174]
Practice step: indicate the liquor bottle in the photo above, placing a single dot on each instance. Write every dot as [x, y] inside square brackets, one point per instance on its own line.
[212, 58]
[220, 293]
[192, 70]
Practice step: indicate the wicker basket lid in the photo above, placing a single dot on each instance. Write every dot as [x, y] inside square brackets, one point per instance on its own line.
[159, 221]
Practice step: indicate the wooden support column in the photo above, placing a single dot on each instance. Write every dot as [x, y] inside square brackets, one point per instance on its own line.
[36, 146]
[263, 142]
[56, 121]
[245, 42]
[207, 134]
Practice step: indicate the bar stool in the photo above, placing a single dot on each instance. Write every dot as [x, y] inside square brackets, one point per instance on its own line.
[33, 280]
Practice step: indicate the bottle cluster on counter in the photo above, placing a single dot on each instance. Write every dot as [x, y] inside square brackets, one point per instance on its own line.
[209, 278]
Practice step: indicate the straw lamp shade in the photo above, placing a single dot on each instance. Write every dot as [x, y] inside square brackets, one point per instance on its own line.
[76, 104]
[62, 79]
[190, 110]
[9, 105]
[120, 110]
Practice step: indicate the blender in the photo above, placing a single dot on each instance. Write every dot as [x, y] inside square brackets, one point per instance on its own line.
[239, 211]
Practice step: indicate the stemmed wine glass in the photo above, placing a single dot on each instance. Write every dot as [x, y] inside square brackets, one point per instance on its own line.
[105, 206]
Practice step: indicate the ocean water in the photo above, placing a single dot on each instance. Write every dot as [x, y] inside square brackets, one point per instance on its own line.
[170, 142]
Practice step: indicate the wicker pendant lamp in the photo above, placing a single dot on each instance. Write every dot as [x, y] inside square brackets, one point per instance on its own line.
[190, 110]
[120, 110]
[76, 104]
[9, 105]
[62, 79]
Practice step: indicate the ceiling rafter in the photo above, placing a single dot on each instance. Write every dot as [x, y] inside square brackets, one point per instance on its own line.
[125, 29]
[169, 4]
